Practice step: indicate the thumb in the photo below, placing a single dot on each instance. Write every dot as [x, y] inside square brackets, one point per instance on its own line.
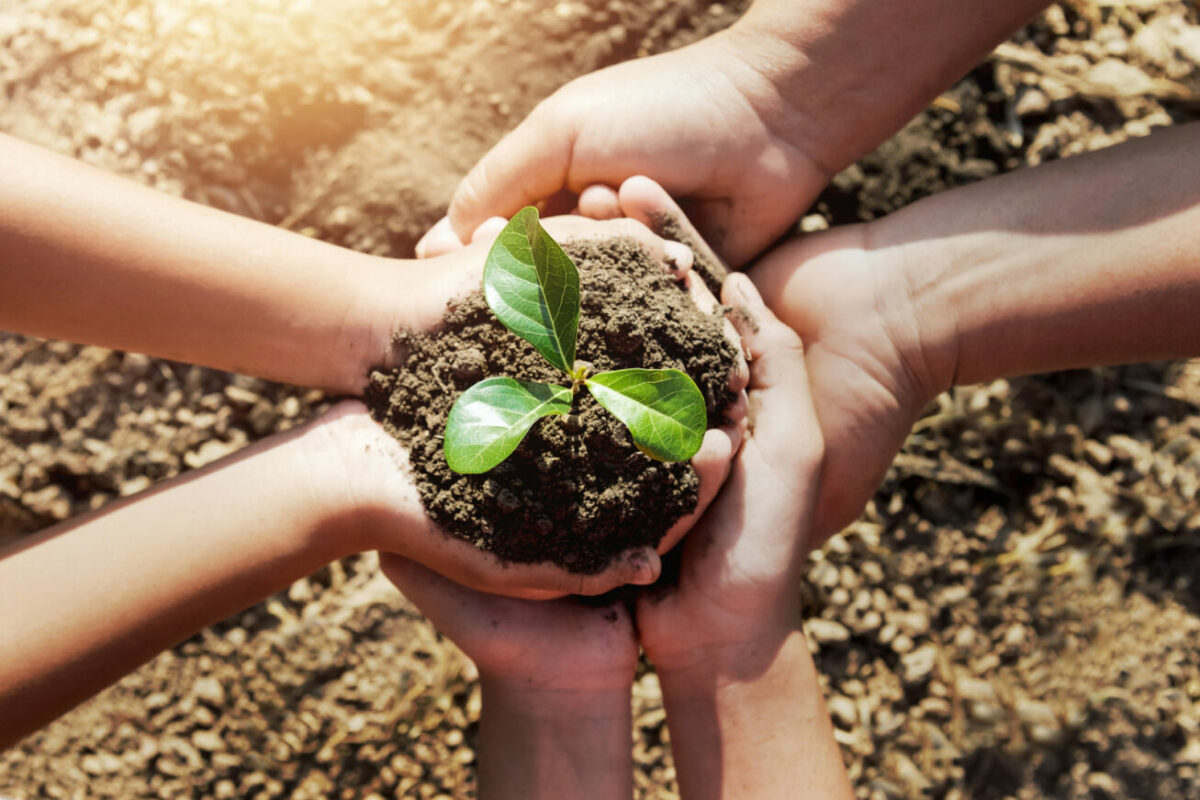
[531, 163]
[781, 413]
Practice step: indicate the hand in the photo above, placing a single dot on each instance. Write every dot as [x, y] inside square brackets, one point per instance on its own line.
[871, 371]
[736, 587]
[870, 368]
[372, 503]
[555, 677]
[741, 691]
[711, 462]
[703, 121]
[557, 646]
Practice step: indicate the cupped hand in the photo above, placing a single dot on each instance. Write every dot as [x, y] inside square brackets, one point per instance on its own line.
[463, 269]
[736, 587]
[563, 645]
[703, 121]
[374, 504]
[872, 374]
[850, 303]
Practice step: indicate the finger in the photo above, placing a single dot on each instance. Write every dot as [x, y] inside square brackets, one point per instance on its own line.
[438, 240]
[712, 464]
[646, 201]
[527, 165]
[488, 230]
[638, 567]
[599, 202]
[775, 352]
[739, 376]
[781, 409]
[571, 228]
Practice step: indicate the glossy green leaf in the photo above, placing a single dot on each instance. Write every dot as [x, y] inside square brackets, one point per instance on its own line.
[533, 288]
[491, 418]
[663, 409]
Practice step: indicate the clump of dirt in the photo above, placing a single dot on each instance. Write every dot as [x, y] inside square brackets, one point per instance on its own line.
[576, 491]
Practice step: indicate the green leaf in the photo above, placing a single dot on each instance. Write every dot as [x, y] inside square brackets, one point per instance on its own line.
[491, 418]
[533, 288]
[663, 409]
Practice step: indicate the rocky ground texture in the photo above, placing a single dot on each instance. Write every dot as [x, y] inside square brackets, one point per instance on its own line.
[1017, 614]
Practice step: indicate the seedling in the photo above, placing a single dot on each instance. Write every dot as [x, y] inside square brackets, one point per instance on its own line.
[533, 288]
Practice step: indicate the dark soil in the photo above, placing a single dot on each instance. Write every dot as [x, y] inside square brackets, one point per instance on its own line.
[1035, 643]
[576, 491]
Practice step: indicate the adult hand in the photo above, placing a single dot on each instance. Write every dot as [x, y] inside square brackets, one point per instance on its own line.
[702, 120]
[736, 587]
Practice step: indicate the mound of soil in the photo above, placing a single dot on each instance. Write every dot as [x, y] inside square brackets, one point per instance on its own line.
[576, 491]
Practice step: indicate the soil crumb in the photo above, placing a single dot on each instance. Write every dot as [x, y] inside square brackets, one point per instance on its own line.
[576, 491]
[707, 265]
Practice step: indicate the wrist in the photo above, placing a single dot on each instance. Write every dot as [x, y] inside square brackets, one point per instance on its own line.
[545, 704]
[852, 72]
[344, 485]
[378, 305]
[535, 744]
[701, 670]
[930, 273]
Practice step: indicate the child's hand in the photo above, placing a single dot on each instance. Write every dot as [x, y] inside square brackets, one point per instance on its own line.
[563, 645]
[372, 504]
[555, 677]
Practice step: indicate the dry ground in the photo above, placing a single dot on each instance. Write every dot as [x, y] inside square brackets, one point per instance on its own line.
[1017, 614]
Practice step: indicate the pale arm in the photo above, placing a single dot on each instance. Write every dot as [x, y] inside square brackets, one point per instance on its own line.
[89, 257]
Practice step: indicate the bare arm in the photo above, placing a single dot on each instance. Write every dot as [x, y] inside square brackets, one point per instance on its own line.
[744, 706]
[753, 724]
[90, 257]
[1092, 260]
[849, 73]
[555, 676]
[1088, 261]
[89, 600]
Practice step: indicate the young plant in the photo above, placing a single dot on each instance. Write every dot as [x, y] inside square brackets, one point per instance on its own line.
[533, 288]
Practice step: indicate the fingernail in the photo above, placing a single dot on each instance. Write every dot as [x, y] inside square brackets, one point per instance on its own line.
[679, 256]
[744, 290]
[644, 572]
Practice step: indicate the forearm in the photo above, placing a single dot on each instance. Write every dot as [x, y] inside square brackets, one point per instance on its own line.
[89, 257]
[849, 73]
[89, 600]
[561, 745]
[1089, 261]
[752, 723]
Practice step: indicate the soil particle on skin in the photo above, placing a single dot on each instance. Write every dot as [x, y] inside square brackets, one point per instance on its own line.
[576, 491]
[707, 264]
